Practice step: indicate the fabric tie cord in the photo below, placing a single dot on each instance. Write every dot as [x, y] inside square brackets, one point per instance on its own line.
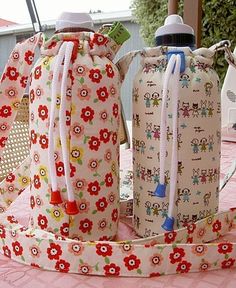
[55, 193]
[169, 221]
[64, 56]
[71, 207]
[161, 187]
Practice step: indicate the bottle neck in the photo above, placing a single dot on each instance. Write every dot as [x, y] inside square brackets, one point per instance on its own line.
[74, 29]
[178, 40]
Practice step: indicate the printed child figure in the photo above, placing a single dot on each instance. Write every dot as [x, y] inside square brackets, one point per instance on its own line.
[208, 86]
[148, 208]
[203, 144]
[210, 108]
[210, 143]
[155, 99]
[204, 108]
[148, 130]
[186, 109]
[196, 176]
[184, 79]
[156, 132]
[195, 110]
[195, 145]
[147, 98]
[203, 176]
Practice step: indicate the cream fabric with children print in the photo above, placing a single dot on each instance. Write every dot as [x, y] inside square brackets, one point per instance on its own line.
[197, 162]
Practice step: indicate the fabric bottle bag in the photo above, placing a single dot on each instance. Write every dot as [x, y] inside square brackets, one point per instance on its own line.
[176, 134]
[74, 110]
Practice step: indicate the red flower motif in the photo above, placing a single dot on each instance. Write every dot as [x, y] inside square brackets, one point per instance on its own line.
[24, 81]
[86, 225]
[5, 111]
[42, 221]
[62, 266]
[191, 227]
[32, 202]
[43, 112]
[12, 73]
[93, 188]
[60, 169]
[94, 143]
[111, 270]
[3, 141]
[95, 75]
[102, 94]
[216, 226]
[29, 57]
[33, 137]
[87, 114]
[32, 96]
[37, 72]
[64, 229]
[72, 170]
[99, 39]
[225, 248]
[204, 266]
[54, 251]
[132, 262]
[37, 183]
[2, 232]
[114, 215]
[115, 110]
[6, 251]
[227, 263]
[12, 219]
[176, 255]
[104, 135]
[101, 204]
[52, 44]
[10, 177]
[17, 248]
[114, 138]
[68, 116]
[155, 274]
[110, 71]
[108, 180]
[34, 265]
[15, 55]
[170, 237]
[183, 267]
[104, 249]
[43, 141]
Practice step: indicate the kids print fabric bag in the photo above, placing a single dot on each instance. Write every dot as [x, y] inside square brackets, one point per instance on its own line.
[46, 243]
[176, 139]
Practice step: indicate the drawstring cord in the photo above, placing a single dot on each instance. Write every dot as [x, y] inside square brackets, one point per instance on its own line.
[71, 207]
[161, 187]
[169, 221]
[65, 54]
[55, 193]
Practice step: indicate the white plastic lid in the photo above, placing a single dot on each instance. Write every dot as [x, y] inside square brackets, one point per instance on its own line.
[71, 20]
[174, 25]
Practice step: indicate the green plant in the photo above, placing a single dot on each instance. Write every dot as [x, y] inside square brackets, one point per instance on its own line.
[218, 22]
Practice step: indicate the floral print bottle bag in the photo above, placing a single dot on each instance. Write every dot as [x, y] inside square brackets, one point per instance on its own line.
[47, 243]
[74, 138]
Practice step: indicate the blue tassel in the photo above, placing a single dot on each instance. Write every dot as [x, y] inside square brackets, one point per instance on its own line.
[168, 224]
[160, 190]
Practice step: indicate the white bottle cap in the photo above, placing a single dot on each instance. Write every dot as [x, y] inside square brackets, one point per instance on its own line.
[72, 20]
[174, 25]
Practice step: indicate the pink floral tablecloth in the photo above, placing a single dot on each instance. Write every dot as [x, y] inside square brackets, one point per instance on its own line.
[13, 274]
